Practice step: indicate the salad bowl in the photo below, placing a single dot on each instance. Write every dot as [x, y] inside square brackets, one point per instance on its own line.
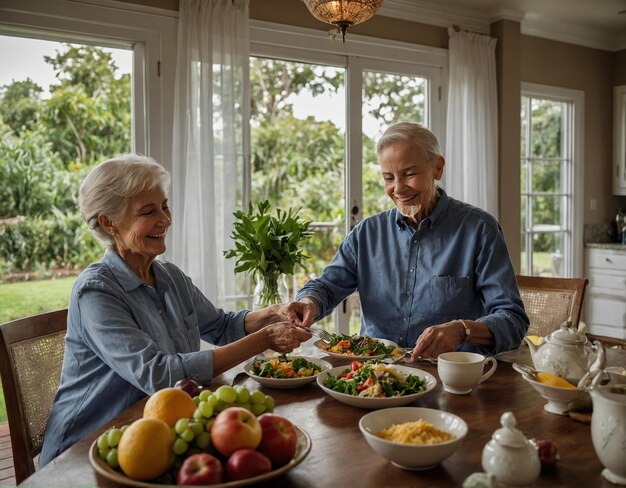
[287, 382]
[322, 346]
[376, 403]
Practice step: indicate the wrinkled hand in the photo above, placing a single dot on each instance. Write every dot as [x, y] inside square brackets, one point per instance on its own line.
[438, 339]
[285, 336]
[302, 313]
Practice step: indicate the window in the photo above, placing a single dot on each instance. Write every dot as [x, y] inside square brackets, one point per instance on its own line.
[335, 103]
[551, 197]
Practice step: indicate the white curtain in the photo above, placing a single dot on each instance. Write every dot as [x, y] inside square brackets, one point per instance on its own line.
[211, 83]
[472, 121]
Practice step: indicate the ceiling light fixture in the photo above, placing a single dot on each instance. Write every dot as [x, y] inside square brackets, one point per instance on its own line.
[343, 13]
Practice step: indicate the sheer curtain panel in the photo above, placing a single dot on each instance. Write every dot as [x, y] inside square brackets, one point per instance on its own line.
[472, 130]
[211, 81]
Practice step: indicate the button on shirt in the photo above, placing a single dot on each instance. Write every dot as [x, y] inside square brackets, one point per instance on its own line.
[455, 265]
[126, 340]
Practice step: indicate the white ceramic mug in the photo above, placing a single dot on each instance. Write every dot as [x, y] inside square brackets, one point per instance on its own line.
[461, 371]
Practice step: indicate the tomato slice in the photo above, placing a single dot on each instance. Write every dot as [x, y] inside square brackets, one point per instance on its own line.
[366, 384]
[356, 365]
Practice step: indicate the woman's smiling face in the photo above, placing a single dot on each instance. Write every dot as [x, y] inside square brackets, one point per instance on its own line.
[410, 179]
[142, 229]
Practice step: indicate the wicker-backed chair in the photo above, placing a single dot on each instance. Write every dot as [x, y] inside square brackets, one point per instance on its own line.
[31, 357]
[551, 301]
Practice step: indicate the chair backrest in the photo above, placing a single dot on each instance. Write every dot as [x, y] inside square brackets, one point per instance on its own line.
[551, 301]
[31, 357]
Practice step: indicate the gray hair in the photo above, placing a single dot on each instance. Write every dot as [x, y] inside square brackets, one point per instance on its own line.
[109, 187]
[419, 135]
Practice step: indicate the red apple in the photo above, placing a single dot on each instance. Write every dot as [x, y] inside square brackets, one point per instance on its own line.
[279, 439]
[188, 385]
[235, 428]
[200, 469]
[247, 463]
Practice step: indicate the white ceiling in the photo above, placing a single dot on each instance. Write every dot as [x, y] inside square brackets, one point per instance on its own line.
[592, 23]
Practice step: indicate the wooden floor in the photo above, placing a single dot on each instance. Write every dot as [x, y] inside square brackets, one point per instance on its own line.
[7, 474]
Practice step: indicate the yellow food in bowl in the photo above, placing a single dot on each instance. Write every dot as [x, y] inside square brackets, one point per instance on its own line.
[553, 380]
[419, 432]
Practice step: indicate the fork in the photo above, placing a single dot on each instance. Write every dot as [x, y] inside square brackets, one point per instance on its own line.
[321, 333]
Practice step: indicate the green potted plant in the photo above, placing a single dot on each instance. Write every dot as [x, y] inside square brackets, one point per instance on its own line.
[268, 247]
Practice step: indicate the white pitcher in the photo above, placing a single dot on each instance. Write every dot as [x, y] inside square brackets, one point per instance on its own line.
[608, 430]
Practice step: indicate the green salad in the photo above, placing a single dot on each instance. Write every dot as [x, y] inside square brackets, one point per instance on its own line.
[284, 367]
[357, 345]
[375, 380]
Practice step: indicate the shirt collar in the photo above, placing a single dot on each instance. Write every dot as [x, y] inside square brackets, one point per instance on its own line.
[127, 278]
[433, 217]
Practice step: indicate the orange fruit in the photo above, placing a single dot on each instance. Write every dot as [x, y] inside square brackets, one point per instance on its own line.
[145, 449]
[553, 380]
[169, 405]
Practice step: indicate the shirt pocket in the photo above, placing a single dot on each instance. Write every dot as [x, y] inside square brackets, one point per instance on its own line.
[452, 291]
[192, 331]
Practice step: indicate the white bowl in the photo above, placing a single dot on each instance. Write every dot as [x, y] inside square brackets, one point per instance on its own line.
[560, 399]
[287, 382]
[413, 456]
[616, 374]
[375, 403]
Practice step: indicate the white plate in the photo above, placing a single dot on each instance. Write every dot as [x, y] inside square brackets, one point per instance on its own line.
[287, 382]
[303, 447]
[319, 344]
[375, 403]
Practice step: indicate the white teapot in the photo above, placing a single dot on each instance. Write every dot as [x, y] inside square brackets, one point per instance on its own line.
[566, 352]
[509, 456]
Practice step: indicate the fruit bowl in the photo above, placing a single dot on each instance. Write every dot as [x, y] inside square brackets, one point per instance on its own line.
[375, 403]
[303, 448]
[413, 456]
[560, 399]
[288, 382]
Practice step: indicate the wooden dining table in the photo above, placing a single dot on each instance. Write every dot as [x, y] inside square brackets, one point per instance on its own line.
[340, 457]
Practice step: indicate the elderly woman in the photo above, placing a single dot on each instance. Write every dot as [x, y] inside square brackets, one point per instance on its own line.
[134, 322]
[433, 274]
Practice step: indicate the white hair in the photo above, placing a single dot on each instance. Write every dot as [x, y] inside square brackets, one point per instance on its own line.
[417, 134]
[109, 187]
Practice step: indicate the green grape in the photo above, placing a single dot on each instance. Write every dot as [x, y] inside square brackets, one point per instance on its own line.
[197, 427]
[212, 400]
[206, 409]
[226, 393]
[243, 394]
[188, 435]
[204, 395]
[181, 425]
[197, 414]
[203, 440]
[180, 446]
[124, 427]
[114, 435]
[269, 403]
[112, 458]
[246, 405]
[257, 396]
[104, 452]
[208, 424]
[257, 408]
[196, 400]
[220, 405]
[103, 441]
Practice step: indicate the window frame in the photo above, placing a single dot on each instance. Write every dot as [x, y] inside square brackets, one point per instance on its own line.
[111, 24]
[574, 127]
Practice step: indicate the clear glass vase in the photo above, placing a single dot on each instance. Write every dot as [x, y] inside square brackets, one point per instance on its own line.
[270, 289]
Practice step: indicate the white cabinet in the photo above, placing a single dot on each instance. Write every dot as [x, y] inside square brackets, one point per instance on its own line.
[619, 140]
[605, 297]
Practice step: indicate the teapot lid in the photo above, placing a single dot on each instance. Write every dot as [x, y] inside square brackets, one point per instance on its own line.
[566, 335]
[508, 435]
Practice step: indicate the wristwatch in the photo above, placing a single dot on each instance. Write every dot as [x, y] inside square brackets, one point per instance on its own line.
[468, 332]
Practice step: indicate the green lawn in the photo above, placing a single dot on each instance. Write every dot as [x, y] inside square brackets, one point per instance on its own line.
[29, 298]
